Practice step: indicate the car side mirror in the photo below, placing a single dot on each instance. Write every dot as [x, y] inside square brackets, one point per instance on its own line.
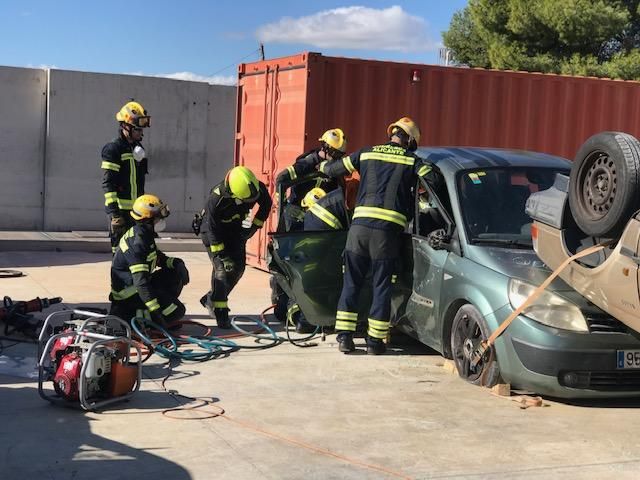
[439, 239]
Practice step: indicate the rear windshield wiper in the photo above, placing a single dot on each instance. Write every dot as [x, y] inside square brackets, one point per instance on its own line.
[503, 242]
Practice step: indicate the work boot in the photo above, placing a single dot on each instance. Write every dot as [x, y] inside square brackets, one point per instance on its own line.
[302, 326]
[204, 301]
[376, 347]
[345, 342]
[222, 317]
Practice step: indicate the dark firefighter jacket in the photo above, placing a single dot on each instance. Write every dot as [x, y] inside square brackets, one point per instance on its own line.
[388, 175]
[328, 213]
[122, 176]
[222, 216]
[305, 164]
[133, 263]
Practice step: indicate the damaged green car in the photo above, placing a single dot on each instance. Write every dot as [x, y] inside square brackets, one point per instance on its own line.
[467, 262]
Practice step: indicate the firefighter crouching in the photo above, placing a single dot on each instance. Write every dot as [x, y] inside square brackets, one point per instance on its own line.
[384, 206]
[144, 281]
[124, 165]
[225, 238]
[333, 145]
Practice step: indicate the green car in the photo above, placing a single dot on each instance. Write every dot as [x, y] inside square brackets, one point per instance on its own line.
[467, 262]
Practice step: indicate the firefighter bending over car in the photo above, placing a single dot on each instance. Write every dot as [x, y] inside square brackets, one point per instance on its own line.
[333, 145]
[138, 288]
[124, 165]
[384, 206]
[225, 238]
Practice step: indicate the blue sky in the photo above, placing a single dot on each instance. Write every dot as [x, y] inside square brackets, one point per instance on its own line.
[197, 39]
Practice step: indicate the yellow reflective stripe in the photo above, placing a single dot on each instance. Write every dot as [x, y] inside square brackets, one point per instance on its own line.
[378, 324]
[373, 333]
[321, 166]
[124, 293]
[216, 247]
[132, 178]
[257, 222]
[380, 214]
[326, 216]
[152, 305]
[423, 170]
[341, 315]
[230, 219]
[346, 161]
[170, 261]
[139, 267]
[125, 204]
[152, 256]
[220, 304]
[123, 241]
[387, 157]
[292, 310]
[345, 325]
[110, 197]
[217, 191]
[394, 278]
[170, 309]
[110, 166]
[292, 172]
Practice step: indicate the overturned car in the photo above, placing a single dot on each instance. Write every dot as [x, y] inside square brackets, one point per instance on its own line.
[467, 263]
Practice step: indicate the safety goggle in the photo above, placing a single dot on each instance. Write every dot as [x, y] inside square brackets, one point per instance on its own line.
[142, 121]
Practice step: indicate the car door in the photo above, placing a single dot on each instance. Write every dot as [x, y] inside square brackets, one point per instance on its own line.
[422, 316]
[308, 267]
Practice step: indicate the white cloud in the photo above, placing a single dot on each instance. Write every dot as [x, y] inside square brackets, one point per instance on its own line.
[194, 77]
[355, 27]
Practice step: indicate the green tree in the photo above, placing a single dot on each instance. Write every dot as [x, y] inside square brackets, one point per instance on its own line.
[577, 37]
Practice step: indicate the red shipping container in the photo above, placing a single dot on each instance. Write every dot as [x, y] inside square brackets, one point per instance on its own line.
[285, 104]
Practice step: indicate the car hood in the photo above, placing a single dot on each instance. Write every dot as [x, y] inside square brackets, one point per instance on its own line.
[519, 263]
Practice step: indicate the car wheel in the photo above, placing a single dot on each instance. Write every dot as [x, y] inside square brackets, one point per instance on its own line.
[467, 331]
[604, 185]
[279, 299]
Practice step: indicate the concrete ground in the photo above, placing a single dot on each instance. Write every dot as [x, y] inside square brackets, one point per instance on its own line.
[291, 412]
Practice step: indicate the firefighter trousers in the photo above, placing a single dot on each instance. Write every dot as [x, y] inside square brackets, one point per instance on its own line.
[223, 281]
[115, 234]
[167, 285]
[375, 250]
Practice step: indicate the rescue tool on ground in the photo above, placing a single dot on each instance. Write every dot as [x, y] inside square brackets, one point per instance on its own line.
[87, 357]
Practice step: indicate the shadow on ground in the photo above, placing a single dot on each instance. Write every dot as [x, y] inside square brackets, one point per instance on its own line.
[18, 260]
[44, 441]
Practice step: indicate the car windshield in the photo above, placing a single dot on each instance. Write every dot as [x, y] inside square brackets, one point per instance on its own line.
[493, 201]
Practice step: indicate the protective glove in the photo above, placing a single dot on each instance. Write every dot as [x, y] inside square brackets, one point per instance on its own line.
[438, 239]
[228, 264]
[247, 233]
[118, 222]
[196, 223]
[181, 270]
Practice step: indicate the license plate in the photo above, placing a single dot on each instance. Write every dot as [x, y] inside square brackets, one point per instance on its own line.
[628, 359]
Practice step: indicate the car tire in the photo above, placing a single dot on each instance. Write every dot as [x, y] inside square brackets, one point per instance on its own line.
[604, 185]
[469, 328]
[279, 299]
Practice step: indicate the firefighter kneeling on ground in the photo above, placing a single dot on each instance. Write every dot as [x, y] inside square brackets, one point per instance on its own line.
[137, 287]
[384, 206]
[225, 238]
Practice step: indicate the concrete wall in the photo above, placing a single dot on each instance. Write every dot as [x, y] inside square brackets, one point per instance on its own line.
[22, 142]
[189, 145]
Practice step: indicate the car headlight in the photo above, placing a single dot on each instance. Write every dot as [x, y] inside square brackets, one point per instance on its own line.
[549, 309]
